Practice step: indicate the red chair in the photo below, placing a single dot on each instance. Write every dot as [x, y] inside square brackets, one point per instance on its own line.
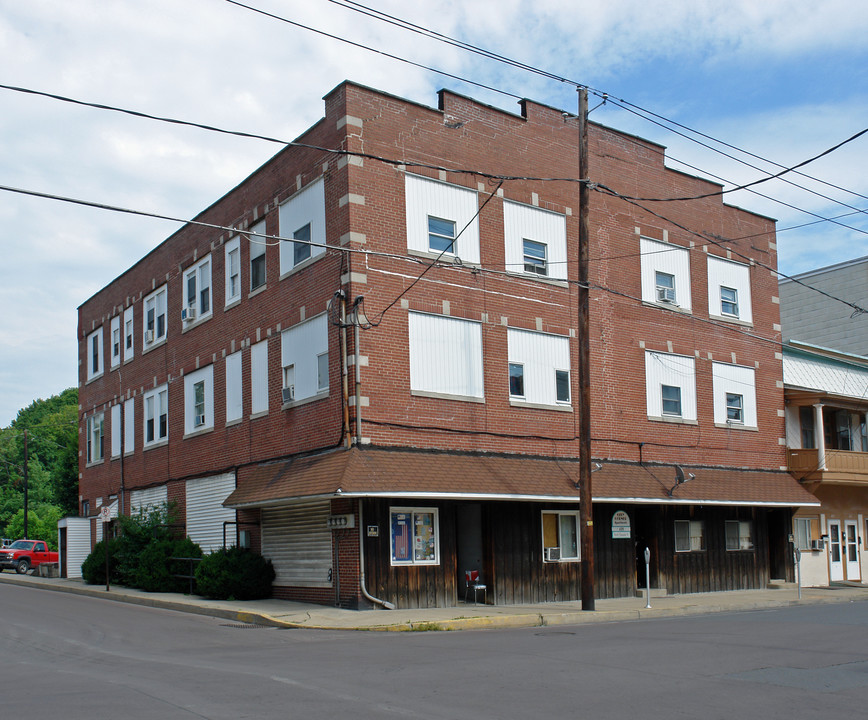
[472, 585]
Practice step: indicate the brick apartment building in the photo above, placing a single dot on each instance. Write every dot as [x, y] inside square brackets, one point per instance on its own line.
[364, 369]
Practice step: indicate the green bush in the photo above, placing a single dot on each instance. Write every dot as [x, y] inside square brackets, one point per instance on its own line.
[156, 571]
[93, 568]
[236, 573]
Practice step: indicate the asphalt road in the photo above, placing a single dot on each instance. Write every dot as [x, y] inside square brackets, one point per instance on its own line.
[67, 656]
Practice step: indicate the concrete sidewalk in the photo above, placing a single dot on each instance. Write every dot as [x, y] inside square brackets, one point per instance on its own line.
[281, 613]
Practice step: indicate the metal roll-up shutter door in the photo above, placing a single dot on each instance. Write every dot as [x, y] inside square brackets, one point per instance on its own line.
[148, 499]
[298, 542]
[205, 511]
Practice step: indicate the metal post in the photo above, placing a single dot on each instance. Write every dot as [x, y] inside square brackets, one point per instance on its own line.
[26, 484]
[799, 571]
[105, 542]
[648, 578]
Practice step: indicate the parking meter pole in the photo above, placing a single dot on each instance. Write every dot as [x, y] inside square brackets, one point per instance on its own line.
[799, 571]
[648, 578]
[105, 538]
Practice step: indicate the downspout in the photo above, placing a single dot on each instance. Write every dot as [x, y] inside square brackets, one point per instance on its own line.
[387, 605]
[345, 388]
[358, 389]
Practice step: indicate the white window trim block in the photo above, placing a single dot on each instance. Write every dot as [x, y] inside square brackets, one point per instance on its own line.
[445, 357]
[729, 274]
[154, 332]
[526, 222]
[430, 198]
[541, 355]
[199, 419]
[737, 379]
[674, 370]
[234, 400]
[257, 250]
[94, 354]
[666, 258]
[198, 298]
[306, 207]
[156, 401]
[301, 346]
[233, 249]
[129, 334]
[259, 378]
[116, 340]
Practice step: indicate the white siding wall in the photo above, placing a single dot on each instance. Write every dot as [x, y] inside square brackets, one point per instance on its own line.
[129, 426]
[732, 275]
[794, 427]
[737, 379]
[205, 511]
[234, 408]
[148, 498]
[259, 377]
[299, 544]
[540, 354]
[667, 258]
[526, 222]
[307, 206]
[445, 356]
[77, 544]
[115, 430]
[675, 370]
[113, 513]
[426, 197]
[300, 346]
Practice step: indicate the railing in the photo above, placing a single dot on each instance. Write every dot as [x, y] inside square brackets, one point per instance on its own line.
[838, 462]
[190, 575]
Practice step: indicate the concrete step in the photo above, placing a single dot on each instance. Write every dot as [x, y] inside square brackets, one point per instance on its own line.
[780, 585]
[655, 592]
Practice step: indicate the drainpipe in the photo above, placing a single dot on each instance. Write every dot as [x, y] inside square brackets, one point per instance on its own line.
[345, 388]
[384, 603]
[358, 389]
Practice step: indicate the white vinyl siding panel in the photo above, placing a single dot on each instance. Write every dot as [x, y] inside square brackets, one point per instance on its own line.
[301, 345]
[521, 222]
[113, 513]
[205, 511]
[148, 498]
[675, 371]
[445, 356]
[725, 273]
[727, 378]
[298, 542]
[259, 377]
[77, 544]
[307, 206]
[115, 430]
[669, 259]
[540, 355]
[426, 198]
[129, 426]
[234, 408]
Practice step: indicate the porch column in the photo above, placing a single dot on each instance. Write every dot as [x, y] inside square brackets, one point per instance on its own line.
[820, 433]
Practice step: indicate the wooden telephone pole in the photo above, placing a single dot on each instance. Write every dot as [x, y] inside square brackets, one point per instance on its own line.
[586, 512]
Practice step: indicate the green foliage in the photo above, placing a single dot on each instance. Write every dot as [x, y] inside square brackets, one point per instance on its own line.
[156, 571]
[41, 524]
[236, 573]
[93, 568]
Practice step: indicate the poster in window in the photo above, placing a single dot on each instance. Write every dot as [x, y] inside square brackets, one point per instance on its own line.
[401, 537]
[424, 541]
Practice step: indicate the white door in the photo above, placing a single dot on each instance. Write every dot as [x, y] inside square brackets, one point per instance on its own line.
[836, 564]
[851, 550]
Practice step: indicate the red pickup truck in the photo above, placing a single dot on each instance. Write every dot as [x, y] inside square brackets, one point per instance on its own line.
[23, 555]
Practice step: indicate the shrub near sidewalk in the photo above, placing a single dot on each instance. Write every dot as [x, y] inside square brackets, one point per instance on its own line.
[234, 574]
[156, 570]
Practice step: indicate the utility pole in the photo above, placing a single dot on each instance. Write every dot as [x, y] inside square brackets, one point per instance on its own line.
[26, 483]
[586, 512]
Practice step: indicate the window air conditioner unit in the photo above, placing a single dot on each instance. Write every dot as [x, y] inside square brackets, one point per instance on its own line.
[149, 336]
[816, 544]
[188, 314]
[200, 420]
[289, 394]
[665, 294]
[553, 554]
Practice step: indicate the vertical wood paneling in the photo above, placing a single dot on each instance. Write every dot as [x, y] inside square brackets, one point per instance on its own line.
[259, 377]
[445, 355]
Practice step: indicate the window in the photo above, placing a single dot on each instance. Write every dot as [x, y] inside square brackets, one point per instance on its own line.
[85, 508]
[445, 357]
[197, 291]
[257, 256]
[516, 380]
[671, 399]
[305, 359]
[665, 287]
[156, 416]
[259, 378]
[414, 536]
[734, 408]
[199, 400]
[844, 430]
[233, 270]
[806, 423]
[155, 317]
[301, 246]
[729, 301]
[536, 367]
[94, 354]
[734, 395]
[234, 408]
[670, 385]
[116, 341]
[441, 235]
[739, 535]
[689, 536]
[128, 334]
[535, 257]
[665, 273]
[802, 535]
[560, 536]
[535, 241]
[95, 438]
[729, 289]
[436, 213]
[302, 217]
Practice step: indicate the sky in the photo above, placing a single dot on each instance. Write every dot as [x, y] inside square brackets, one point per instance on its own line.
[779, 80]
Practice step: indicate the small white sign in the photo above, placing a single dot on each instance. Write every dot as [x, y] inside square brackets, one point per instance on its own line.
[621, 525]
[105, 515]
